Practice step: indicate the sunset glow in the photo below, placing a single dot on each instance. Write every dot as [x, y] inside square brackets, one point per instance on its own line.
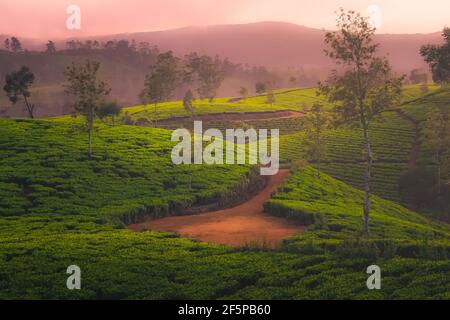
[37, 19]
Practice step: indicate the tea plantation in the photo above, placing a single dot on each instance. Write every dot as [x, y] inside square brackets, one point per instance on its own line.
[60, 208]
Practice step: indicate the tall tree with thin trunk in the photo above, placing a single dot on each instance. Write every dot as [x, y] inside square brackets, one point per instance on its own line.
[207, 72]
[188, 100]
[161, 82]
[270, 97]
[83, 82]
[18, 85]
[316, 122]
[363, 87]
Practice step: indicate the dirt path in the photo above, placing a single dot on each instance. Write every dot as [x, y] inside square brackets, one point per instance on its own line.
[238, 226]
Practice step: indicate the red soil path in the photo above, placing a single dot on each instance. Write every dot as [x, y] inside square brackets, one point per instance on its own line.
[245, 224]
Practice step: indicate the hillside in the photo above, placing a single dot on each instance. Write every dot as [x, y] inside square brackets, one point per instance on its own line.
[393, 135]
[45, 170]
[295, 99]
[59, 208]
[334, 207]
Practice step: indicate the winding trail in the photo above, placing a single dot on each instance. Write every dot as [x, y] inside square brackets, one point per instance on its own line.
[245, 224]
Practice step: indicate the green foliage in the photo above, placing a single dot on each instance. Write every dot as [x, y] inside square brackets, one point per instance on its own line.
[109, 109]
[364, 88]
[437, 134]
[438, 58]
[188, 102]
[163, 79]
[18, 85]
[316, 122]
[88, 90]
[205, 71]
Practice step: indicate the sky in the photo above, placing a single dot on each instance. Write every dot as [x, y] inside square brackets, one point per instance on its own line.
[49, 18]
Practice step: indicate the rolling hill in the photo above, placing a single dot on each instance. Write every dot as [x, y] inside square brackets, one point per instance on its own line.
[59, 208]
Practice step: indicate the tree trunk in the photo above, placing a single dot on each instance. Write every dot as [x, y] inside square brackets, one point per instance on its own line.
[319, 142]
[154, 114]
[439, 176]
[367, 182]
[29, 107]
[90, 123]
[90, 143]
[318, 169]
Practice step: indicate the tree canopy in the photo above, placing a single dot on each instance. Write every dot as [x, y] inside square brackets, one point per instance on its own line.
[438, 58]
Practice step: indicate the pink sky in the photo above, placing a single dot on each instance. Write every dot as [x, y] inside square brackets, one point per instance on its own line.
[47, 18]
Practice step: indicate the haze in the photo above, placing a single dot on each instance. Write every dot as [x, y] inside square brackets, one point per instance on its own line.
[47, 18]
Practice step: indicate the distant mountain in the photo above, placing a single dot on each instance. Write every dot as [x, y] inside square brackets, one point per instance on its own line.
[276, 44]
[272, 44]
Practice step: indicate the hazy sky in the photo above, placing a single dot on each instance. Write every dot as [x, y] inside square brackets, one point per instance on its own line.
[47, 18]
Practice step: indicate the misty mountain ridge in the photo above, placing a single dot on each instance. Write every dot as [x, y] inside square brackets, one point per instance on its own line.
[270, 44]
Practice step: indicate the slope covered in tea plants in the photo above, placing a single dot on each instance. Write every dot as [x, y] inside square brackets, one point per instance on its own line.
[58, 208]
[284, 99]
[334, 208]
[44, 169]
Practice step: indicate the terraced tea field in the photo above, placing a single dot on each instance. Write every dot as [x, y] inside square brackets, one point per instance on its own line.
[58, 208]
[44, 169]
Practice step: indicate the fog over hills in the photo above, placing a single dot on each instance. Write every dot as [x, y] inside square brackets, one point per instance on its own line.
[285, 49]
[273, 44]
